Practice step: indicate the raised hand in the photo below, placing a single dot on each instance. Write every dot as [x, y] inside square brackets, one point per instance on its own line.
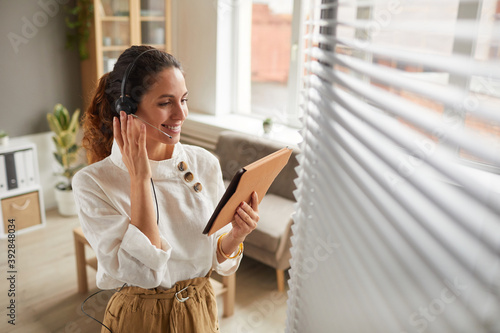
[131, 139]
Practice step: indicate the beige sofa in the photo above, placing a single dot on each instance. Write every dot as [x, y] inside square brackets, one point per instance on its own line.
[270, 242]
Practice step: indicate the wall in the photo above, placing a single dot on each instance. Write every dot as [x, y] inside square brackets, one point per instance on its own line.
[204, 51]
[194, 30]
[36, 70]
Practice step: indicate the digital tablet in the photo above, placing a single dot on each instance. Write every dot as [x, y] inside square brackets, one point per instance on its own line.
[257, 176]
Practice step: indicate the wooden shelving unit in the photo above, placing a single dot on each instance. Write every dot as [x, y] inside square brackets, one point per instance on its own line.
[119, 24]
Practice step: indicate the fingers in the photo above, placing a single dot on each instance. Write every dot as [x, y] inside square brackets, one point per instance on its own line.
[126, 133]
[117, 132]
[138, 137]
[252, 210]
[142, 136]
[255, 202]
[123, 128]
[134, 135]
[247, 213]
[130, 137]
[244, 224]
[247, 216]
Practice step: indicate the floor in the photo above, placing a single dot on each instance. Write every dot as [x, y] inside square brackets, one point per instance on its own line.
[46, 298]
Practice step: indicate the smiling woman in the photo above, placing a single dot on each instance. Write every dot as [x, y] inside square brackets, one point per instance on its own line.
[145, 199]
[137, 80]
[164, 107]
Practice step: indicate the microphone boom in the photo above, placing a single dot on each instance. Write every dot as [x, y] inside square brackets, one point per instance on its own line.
[156, 128]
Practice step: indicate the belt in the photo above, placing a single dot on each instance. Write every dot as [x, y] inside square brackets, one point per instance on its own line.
[181, 291]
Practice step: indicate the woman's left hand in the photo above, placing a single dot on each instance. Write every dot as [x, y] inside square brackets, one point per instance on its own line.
[246, 218]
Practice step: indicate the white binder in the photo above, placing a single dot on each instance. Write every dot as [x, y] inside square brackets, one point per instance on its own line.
[30, 167]
[3, 174]
[20, 169]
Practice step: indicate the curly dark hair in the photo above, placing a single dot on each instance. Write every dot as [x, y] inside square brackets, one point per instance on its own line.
[97, 121]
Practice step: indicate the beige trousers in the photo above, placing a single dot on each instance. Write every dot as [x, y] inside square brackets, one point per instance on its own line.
[189, 306]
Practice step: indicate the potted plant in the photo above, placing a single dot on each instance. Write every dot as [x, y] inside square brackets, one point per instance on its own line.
[267, 124]
[4, 138]
[79, 21]
[65, 130]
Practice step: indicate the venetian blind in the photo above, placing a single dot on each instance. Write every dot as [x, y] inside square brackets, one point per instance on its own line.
[397, 225]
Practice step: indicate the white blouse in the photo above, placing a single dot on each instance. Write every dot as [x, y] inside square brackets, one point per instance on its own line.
[124, 253]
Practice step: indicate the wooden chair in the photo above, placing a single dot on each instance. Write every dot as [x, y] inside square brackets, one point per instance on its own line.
[227, 288]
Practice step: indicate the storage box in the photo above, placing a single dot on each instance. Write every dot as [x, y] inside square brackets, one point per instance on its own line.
[24, 209]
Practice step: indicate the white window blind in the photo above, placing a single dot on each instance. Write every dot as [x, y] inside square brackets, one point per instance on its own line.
[397, 225]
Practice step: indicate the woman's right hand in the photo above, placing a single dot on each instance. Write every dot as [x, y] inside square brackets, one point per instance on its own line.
[131, 139]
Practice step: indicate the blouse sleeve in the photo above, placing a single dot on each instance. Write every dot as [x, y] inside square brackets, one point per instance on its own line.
[229, 266]
[122, 250]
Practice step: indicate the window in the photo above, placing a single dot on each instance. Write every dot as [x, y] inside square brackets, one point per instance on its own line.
[270, 56]
[215, 53]
[267, 59]
[398, 211]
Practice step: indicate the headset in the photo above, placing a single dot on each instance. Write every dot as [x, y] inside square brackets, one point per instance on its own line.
[126, 103]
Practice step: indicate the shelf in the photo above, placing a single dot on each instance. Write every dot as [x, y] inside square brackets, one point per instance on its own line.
[115, 48]
[115, 18]
[18, 191]
[152, 18]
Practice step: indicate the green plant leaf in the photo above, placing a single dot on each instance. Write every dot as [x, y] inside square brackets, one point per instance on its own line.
[59, 158]
[75, 10]
[67, 139]
[79, 19]
[58, 108]
[64, 120]
[73, 149]
[71, 24]
[57, 141]
[54, 124]
[74, 124]
[71, 159]
[62, 115]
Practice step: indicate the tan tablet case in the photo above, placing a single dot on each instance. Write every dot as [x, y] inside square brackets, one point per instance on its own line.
[257, 176]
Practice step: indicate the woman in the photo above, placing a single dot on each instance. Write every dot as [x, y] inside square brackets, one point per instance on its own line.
[145, 199]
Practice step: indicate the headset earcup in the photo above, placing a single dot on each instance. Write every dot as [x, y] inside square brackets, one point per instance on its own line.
[125, 104]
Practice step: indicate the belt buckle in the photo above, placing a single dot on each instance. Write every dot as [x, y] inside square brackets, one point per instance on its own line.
[182, 299]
